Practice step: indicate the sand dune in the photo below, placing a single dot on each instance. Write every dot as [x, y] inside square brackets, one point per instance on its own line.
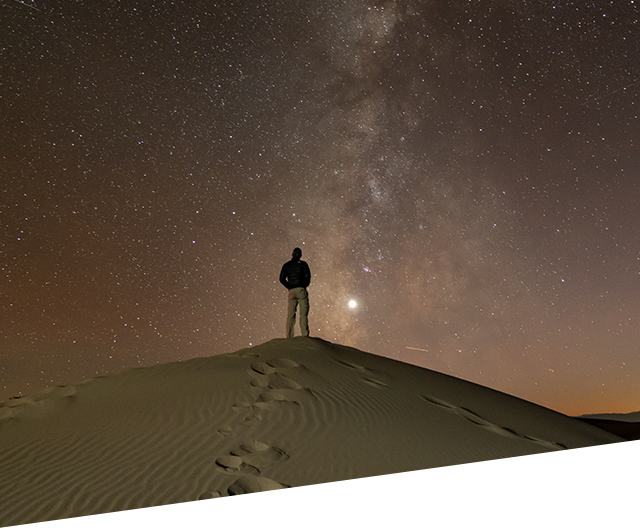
[625, 429]
[284, 414]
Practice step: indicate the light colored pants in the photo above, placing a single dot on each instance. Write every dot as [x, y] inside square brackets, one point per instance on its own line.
[301, 297]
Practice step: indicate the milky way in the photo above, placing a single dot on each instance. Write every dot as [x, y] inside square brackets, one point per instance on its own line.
[466, 172]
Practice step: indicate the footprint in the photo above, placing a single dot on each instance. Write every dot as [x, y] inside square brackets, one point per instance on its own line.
[283, 396]
[268, 499]
[546, 443]
[474, 418]
[278, 381]
[234, 464]
[245, 352]
[209, 500]
[252, 412]
[261, 382]
[349, 364]
[226, 430]
[262, 368]
[438, 402]
[253, 417]
[16, 401]
[375, 382]
[251, 457]
[282, 362]
[367, 375]
[59, 392]
[270, 378]
[276, 386]
[259, 455]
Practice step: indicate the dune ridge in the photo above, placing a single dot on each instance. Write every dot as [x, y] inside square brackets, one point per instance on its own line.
[290, 412]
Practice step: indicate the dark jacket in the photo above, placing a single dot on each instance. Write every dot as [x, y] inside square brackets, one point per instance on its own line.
[295, 274]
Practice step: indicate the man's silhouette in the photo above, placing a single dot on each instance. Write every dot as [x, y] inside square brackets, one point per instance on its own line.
[296, 276]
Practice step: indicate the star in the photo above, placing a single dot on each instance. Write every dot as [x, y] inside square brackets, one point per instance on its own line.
[469, 170]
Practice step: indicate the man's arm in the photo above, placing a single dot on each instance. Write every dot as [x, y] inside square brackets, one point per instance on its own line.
[307, 275]
[283, 278]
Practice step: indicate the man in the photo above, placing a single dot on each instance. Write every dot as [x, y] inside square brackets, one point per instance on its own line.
[296, 276]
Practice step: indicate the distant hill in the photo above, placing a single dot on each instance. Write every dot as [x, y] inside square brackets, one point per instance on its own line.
[629, 417]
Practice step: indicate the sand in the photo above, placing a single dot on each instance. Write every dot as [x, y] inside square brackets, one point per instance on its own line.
[628, 430]
[288, 413]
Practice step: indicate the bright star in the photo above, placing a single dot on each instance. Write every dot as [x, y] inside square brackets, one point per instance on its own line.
[352, 303]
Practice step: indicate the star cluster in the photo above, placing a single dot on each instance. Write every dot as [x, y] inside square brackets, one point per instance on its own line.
[465, 172]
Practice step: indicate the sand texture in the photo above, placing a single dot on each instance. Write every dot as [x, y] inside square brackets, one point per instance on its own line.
[290, 412]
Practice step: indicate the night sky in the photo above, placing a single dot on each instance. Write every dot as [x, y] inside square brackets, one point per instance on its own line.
[468, 172]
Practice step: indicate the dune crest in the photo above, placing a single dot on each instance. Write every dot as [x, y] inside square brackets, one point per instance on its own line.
[290, 412]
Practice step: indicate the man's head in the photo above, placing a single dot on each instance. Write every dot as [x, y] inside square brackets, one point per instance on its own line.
[297, 253]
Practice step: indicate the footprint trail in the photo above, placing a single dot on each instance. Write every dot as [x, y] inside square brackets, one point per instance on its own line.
[273, 385]
[476, 419]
